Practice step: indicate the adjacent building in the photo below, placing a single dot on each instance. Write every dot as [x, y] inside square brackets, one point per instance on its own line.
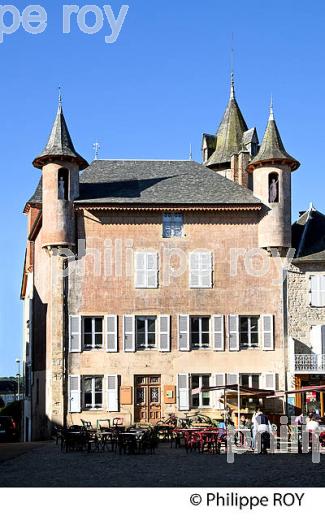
[148, 282]
[306, 312]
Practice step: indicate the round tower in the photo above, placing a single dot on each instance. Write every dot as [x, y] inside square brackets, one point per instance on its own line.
[271, 169]
[60, 165]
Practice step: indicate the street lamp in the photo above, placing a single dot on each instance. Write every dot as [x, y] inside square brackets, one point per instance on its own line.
[18, 377]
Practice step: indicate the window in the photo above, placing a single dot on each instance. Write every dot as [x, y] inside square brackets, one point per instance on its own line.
[250, 380]
[146, 270]
[172, 225]
[200, 332]
[248, 331]
[145, 332]
[63, 184]
[92, 333]
[92, 392]
[317, 290]
[200, 269]
[200, 399]
[273, 187]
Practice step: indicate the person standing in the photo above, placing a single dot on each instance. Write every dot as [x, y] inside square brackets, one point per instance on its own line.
[263, 431]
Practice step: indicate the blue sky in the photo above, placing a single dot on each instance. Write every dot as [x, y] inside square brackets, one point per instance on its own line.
[151, 94]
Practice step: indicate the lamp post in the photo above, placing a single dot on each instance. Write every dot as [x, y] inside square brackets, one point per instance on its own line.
[18, 377]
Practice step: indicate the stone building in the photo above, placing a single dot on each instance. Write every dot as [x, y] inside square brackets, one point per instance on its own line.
[306, 311]
[154, 281]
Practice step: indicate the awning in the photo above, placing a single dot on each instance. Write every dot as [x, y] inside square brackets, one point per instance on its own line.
[243, 390]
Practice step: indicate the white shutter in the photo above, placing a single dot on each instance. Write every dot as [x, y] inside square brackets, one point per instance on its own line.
[232, 379]
[111, 333]
[317, 290]
[267, 332]
[218, 332]
[140, 269]
[220, 380]
[233, 322]
[152, 270]
[129, 333]
[74, 394]
[323, 340]
[269, 381]
[164, 333]
[74, 333]
[184, 332]
[112, 393]
[206, 269]
[183, 388]
[316, 338]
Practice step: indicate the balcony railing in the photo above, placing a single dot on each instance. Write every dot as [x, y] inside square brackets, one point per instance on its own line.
[309, 363]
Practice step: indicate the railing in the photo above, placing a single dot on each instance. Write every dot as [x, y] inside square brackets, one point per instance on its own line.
[309, 363]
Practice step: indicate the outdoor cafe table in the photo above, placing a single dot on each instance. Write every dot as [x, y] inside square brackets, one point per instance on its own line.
[179, 433]
[130, 440]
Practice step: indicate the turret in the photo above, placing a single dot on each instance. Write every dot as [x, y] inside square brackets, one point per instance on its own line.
[230, 150]
[60, 165]
[271, 169]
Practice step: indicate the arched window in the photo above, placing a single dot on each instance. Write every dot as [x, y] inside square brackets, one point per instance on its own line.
[273, 187]
[63, 184]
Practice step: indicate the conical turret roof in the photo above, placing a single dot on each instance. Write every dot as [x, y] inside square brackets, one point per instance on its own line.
[230, 132]
[60, 144]
[272, 149]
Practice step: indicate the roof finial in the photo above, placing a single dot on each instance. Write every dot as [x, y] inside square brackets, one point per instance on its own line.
[191, 153]
[96, 147]
[60, 97]
[232, 86]
[232, 66]
[271, 118]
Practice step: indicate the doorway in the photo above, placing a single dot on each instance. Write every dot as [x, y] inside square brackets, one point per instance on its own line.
[147, 399]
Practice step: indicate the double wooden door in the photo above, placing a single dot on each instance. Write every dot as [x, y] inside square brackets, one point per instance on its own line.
[147, 399]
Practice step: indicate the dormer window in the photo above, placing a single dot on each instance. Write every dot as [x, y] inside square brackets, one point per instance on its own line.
[173, 225]
[273, 188]
[63, 184]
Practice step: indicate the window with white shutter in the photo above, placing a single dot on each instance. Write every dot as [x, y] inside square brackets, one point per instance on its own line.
[111, 333]
[200, 392]
[75, 333]
[183, 332]
[146, 270]
[269, 381]
[146, 334]
[267, 331]
[233, 326]
[112, 393]
[183, 392]
[129, 333]
[317, 290]
[164, 333]
[200, 269]
[218, 332]
[74, 394]
[232, 379]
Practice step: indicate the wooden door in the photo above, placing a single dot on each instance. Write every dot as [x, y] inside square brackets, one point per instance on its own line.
[147, 399]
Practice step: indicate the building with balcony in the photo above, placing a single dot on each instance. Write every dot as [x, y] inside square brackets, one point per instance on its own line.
[306, 311]
[153, 280]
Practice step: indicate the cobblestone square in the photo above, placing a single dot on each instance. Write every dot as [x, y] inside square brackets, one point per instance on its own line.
[43, 465]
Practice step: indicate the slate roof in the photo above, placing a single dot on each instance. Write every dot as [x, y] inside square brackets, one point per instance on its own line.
[60, 145]
[272, 148]
[230, 133]
[308, 236]
[155, 182]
